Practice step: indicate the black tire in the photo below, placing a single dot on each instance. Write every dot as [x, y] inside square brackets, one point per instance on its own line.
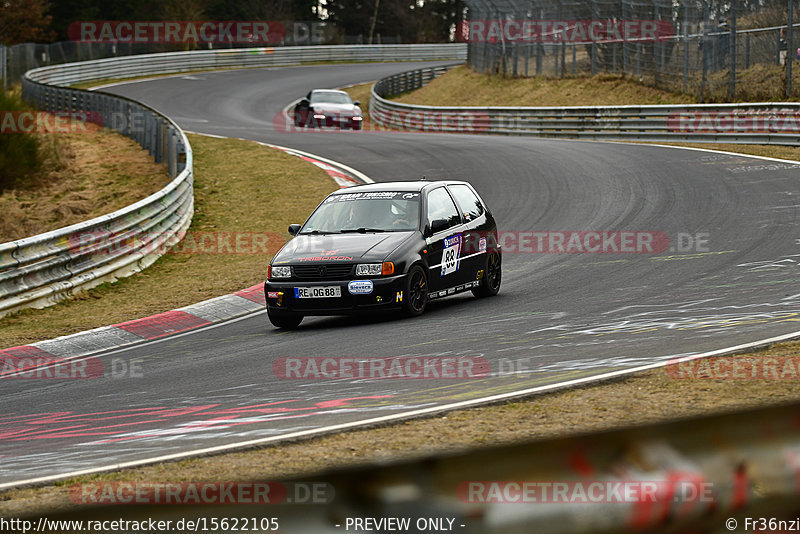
[287, 321]
[416, 292]
[357, 125]
[492, 275]
[298, 119]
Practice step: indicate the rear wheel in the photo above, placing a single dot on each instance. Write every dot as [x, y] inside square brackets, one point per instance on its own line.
[287, 321]
[416, 292]
[490, 283]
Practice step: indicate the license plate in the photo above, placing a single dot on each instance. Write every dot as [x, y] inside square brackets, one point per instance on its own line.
[318, 292]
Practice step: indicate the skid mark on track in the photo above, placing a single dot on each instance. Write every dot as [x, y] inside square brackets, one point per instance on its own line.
[117, 425]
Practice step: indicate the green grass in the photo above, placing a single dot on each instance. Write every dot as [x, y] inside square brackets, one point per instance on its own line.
[240, 187]
[21, 154]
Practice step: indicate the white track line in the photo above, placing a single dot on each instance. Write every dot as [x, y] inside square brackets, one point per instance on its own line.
[395, 417]
[423, 411]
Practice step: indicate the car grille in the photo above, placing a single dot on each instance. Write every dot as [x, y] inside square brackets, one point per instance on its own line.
[330, 271]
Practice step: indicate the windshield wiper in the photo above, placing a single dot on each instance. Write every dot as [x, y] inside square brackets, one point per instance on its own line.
[317, 232]
[362, 230]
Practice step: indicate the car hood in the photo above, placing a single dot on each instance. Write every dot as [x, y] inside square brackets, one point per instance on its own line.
[341, 247]
[336, 109]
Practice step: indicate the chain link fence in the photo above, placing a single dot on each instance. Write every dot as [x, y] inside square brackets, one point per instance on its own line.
[676, 45]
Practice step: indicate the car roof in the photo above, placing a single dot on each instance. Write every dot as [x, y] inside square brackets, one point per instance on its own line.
[419, 185]
[329, 91]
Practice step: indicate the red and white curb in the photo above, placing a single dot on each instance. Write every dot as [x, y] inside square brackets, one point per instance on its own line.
[208, 312]
[342, 174]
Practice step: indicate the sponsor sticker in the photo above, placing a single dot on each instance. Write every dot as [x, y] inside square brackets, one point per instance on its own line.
[360, 287]
[482, 245]
[450, 254]
[372, 195]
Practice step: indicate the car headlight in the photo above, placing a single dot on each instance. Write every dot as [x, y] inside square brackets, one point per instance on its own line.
[375, 269]
[368, 269]
[319, 116]
[357, 118]
[280, 271]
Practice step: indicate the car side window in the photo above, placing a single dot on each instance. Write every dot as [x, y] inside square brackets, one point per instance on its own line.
[441, 206]
[468, 201]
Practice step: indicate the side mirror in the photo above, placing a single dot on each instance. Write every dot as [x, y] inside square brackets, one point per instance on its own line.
[439, 225]
[294, 228]
[357, 103]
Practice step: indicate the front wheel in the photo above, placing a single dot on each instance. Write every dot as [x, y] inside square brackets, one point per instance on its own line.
[416, 292]
[287, 321]
[490, 283]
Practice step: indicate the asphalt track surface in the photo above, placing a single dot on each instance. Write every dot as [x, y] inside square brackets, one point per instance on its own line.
[563, 316]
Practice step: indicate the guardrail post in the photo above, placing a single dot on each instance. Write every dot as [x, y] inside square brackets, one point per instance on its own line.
[180, 159]
[515, 56]
[640, 123]
[574, 59]
[172, 166]
[163, 144]
[539, 50]
[527, 50]
[685, 52]
[49, 264]
[3, 67]
[555, 60]
[747, 51]
[790, 49]
[638, 59]
[732, 53]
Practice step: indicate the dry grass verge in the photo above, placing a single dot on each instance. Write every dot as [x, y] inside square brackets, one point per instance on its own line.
[644, 398]
[462, 86]
[240, 186]
[640, 399]
[90, 173]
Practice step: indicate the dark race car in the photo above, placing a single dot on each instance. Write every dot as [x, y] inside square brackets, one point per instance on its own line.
[385, 246]
[328, 108]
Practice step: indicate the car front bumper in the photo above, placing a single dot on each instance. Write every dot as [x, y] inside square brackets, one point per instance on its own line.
[387, 293]
[335, 122]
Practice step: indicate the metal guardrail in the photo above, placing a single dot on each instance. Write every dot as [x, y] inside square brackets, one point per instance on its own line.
[775, 123]
[175, 62]
[700, 475]
[41, 270]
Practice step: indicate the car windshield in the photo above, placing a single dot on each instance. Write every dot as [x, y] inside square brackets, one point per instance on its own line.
[374, 211]
[330, 98]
